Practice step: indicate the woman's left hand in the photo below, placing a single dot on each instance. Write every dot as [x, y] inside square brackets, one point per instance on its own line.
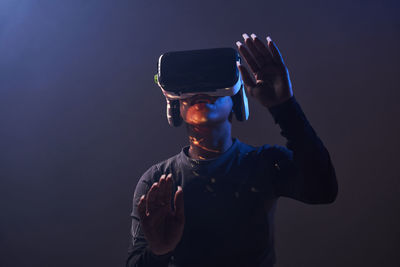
[272, 84]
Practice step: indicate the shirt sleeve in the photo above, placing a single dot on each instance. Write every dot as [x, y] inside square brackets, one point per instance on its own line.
[303, 168]
[139, 253]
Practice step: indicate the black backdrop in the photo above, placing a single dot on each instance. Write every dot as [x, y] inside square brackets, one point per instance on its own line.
[81, 119]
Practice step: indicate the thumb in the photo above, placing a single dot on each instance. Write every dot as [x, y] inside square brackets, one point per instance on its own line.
[178, 202]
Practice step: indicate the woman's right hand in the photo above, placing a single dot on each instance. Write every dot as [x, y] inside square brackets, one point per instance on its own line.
[162, 227]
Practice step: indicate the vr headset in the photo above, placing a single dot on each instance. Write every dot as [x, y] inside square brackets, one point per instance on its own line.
[213, 72]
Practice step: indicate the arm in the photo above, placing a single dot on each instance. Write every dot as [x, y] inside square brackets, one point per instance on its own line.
[305, 171]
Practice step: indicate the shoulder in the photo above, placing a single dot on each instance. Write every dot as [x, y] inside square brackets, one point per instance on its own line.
[153, 173]
[265, 151]
[277, 152]
[275, 160]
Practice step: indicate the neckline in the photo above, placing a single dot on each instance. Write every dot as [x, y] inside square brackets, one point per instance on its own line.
[185, 154]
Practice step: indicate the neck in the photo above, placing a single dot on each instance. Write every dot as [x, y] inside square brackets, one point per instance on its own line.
[209, 142]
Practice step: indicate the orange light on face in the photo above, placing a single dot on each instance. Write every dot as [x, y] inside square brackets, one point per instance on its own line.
[196, 142]
[196, 116]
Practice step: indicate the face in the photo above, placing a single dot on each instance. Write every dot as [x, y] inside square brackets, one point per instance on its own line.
[203, 109]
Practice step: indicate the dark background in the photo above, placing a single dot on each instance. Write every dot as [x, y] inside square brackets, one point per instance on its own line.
[81, 120]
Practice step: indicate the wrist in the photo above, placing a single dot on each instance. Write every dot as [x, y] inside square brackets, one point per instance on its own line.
[285, 109]
[281, 104]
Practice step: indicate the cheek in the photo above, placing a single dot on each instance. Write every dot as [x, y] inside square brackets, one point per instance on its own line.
[225, 103]
[195, 116]
[183, 107]
[222, 109]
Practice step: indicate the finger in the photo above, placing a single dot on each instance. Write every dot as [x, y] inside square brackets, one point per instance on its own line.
[262, 48]
[162, 187]
[275, 52]
[165, 190]
[169, 184]
[179, 206]
[258, 57]
[151, 200]
[142, 207]
[247, 78]
[247, 57]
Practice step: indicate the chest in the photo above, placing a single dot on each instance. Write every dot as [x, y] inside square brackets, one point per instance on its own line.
[216, 201]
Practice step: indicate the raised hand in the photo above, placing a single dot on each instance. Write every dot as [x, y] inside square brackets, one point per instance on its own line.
[162, 227]
[272, 84]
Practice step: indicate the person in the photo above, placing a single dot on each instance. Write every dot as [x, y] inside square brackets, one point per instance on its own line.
[213, 204]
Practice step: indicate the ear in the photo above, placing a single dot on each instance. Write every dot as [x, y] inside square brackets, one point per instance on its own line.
[173, 113]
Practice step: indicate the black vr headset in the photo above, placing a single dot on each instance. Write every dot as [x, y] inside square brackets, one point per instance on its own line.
[213, 72]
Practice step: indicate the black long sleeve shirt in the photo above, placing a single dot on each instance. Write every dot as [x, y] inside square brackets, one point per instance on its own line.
[230, 201]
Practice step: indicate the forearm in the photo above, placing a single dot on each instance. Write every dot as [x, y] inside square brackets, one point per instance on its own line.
[316, 178]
